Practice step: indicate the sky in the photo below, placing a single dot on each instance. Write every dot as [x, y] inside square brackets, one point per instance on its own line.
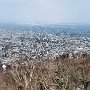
[45, 11]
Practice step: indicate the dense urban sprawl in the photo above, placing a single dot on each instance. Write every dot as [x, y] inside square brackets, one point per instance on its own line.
[20, 44]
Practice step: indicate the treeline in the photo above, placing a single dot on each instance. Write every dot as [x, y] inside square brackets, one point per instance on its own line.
[61, 73]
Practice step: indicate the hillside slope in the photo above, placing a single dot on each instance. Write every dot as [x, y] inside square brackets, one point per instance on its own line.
[58, 74]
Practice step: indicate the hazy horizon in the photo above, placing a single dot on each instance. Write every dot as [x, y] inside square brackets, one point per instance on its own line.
[45, 11]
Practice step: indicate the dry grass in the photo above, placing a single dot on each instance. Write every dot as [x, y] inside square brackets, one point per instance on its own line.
[58, 74]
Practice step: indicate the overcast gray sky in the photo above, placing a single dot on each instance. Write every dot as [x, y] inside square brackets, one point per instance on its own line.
[45, 11]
